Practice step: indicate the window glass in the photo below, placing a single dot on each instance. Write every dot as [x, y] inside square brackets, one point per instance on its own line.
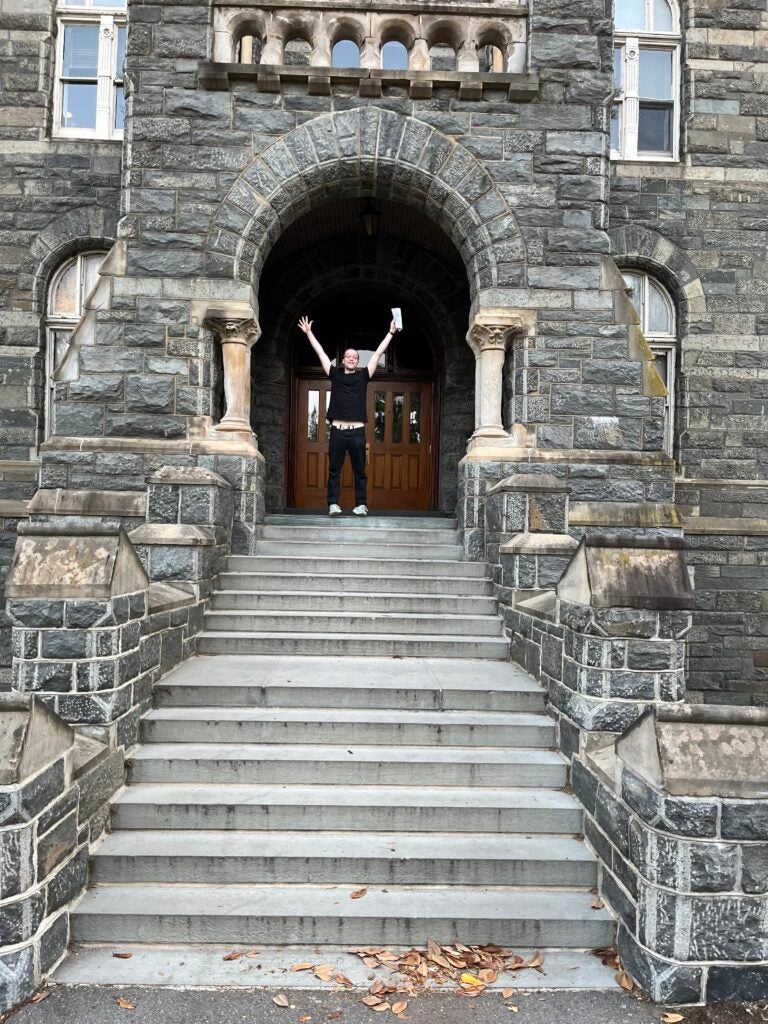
[120, 51]
[346, 54]
[89, 274]
[59, 341]
[313, 414]
[394, 57]
[442, 57]
[615, 126]
[662, 16]
[415, 418]
[65, 298]
[81, 51]
[659, 317]
[618, 52]
[398, 404]
[379, 415]
[654, 132]
[655, 74]
[630, 14]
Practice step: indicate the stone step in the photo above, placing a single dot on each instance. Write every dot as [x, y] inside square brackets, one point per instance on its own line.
[355, 623]
[325, 914]
[366, 566]
[207, 965]
[369, 548]
[372, 521]
[274, 764]
[331, 532]
[307, 682]
[230, 857]
[341, 645]
[341, 601]
[355, 583]
[414, 808]
[346, 725]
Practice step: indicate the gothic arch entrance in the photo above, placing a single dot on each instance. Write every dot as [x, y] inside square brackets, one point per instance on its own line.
[421, 400]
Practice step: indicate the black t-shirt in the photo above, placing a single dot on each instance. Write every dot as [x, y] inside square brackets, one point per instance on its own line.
[348, 393]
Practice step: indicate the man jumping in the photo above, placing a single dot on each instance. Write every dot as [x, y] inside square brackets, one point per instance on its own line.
[347, 414]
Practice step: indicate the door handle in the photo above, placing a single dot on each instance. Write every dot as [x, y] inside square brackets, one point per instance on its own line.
[367, 453]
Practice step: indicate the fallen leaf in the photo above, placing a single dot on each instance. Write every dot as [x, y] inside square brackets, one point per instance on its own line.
[232, 956]
[381, 1006]
[335, 1015]
[512, 1007]
[536, 962]
[672, 1018]
[125, 1004]
[342, 979]
[370, 961]
[252, 954]
[507, 993]
[302, 967]
[597, 904]
[281, 999]
[324, 972]
[371, 1000]
[122, 956]
[304, 1018]
[470, 979]
[358, 894]
[400, 1007]
[625, 981]
[38, 997]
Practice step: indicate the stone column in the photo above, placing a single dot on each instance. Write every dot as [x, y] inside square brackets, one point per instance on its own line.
[237, 337]
[489, 338]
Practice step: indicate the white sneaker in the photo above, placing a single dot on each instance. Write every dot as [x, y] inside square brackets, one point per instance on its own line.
[334, 510]
[360, 510]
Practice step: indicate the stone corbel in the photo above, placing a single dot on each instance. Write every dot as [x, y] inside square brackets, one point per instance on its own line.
[237, 335]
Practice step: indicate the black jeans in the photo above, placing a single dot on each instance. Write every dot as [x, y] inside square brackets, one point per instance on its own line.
[341, 442]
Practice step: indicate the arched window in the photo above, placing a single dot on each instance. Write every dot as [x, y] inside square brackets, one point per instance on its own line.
[69, 288]
[645, 120]
[394, 56]
[442, 57]
[346, 54]
[491, 58]
[248, 50]
[297, 52]
[656, 310]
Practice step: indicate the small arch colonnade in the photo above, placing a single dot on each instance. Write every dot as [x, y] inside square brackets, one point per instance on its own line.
[428, 42]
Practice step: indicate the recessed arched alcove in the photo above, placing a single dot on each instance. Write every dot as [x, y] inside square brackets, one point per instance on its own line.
[346, 264]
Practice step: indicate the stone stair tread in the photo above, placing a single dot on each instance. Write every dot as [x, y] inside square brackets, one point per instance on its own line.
[360, 636]
[226, 794]
[352, 715]
[355, 564]
[370, 522]
[332, 753]
[257, 613]
[349, 845]
[470, 903]
[384, 673]
[322, 594]
[347, 576]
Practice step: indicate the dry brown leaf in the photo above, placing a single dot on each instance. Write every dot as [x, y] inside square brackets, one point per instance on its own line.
[324, 972]
[536, 962]
[335, 1015]
[432, 947]
[304, 1018]
[672, 1018]
[125, 1004]
[38, 997]
[342, 979]
[252, 954]
[377, 987]
[488, 975]
[305, 966]
[235, 955]
[281, 999]
[358, 893]
[625, 981]
[507, 993]
[400, 1007]
[122, 956]
[381, 1006]
[512, 1007]
[370, 961]
[597, 904]
[386, 957]
[371, 1000]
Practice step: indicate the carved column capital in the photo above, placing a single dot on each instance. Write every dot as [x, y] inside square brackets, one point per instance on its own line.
[234, 330]
[485, 336]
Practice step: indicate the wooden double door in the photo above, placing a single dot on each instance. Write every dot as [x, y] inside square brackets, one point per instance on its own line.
[399, 445]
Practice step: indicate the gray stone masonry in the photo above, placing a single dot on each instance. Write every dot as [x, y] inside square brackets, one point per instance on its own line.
[54, 803]
[686, 875]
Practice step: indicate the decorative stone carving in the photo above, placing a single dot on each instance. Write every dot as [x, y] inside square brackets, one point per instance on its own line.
[237, 335]
[489, 338]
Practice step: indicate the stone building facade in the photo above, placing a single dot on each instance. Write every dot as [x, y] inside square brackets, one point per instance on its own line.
[570, 207]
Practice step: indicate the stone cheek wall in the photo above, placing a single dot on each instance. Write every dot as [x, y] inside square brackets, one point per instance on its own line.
[50, 816]
[687, 878]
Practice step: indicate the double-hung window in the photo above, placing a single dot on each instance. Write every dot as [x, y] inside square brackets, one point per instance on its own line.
[645, 120]
[658, 323]
[89, 99]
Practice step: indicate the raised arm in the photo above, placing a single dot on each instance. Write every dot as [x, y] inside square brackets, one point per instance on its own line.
[374, 360]
[305, 324]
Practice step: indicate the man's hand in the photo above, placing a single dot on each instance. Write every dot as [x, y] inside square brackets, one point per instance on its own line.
[393, 329]
[305, 324]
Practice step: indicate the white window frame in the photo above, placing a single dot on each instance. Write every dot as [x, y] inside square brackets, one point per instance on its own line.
[57, 322]
[627, 98]
[660, 343]
[109, 19]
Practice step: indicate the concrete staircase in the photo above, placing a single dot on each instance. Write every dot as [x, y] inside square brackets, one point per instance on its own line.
[394, 587]
[268, 788]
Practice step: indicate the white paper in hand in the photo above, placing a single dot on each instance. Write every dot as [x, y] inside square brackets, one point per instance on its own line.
[397, 316]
